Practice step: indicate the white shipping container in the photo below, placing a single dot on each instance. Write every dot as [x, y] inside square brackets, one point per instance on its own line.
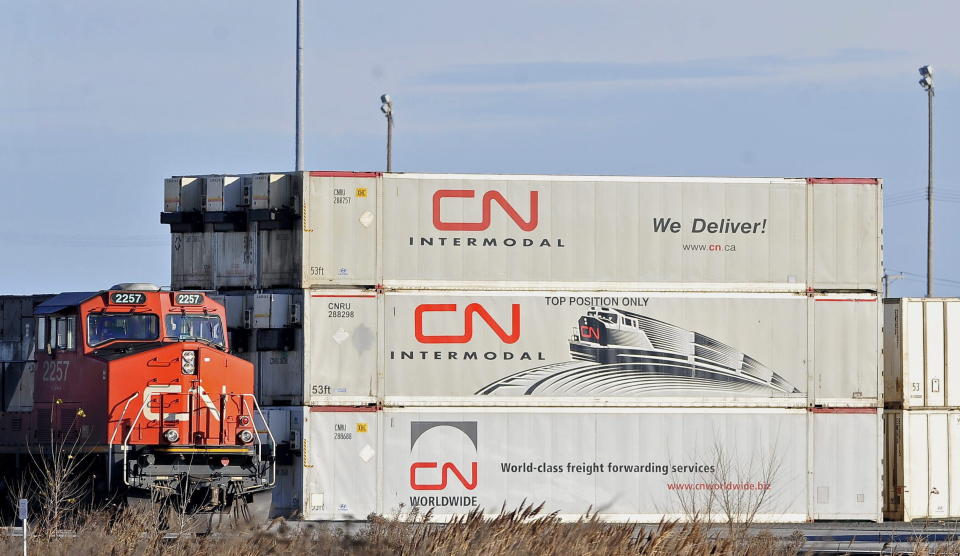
[339, 463]
[634, 464]
[569, 232]
[332, 334]
[416, 348]
[921, 346]
[922, 478]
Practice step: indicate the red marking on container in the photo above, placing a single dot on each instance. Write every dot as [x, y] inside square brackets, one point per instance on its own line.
[853, 181]
[860, 410]
[325, 174]
[853, 300]
[344, 409]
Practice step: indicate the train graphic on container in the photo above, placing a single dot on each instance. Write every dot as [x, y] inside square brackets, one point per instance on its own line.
[139, 384]
[617, 352]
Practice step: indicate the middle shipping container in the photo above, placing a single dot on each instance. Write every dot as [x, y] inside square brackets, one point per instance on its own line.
[587, 348]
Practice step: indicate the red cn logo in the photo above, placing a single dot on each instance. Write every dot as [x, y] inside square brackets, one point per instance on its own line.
[589, 332]
[469, 311]
[488, 198]
[444, 473]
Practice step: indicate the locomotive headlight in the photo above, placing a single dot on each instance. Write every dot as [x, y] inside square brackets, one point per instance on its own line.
[171, 435]
[188, 362]
[245, 436]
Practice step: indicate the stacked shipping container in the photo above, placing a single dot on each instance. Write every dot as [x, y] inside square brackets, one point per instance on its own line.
[922, 421]
[634, 345]
[17, 367]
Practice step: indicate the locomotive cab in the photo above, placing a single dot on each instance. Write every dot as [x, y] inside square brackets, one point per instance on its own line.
[144, 378]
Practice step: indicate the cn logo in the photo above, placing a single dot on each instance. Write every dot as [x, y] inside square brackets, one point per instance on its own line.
[445, 471]
[589, 332]
[468, 313]
[488, 199]
[429, 481]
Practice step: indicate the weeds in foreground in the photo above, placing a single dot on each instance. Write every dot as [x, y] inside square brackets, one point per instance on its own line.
[522, 531]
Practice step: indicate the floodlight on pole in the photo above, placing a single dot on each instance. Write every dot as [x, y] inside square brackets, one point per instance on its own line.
[386, 107]
[926, 81]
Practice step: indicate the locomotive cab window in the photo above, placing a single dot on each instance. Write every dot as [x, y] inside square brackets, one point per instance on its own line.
[106, 327]
[56, 333]
[186, 327]
[64, 332]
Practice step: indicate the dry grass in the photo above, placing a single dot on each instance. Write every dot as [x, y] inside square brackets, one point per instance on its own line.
[522, 531]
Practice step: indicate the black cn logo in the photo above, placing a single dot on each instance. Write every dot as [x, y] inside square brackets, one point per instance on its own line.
[435, 475]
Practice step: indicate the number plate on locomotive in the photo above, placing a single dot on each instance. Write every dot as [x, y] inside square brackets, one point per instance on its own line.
[188, 299]
[128, 298]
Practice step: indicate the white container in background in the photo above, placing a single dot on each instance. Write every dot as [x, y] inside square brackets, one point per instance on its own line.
[922, 479]
[921, 347]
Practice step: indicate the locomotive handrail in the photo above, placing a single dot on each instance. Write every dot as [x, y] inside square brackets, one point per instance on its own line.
[112, 437]
[125, 446]
[273, 441]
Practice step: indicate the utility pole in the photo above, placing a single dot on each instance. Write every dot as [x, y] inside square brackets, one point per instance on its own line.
[887, 278]
[299, 138]
[926, 81]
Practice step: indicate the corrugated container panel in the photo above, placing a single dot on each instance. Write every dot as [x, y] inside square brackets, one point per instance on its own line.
[234, 259]
[286, 426]
[310, 347]
[18, 385]
[340, 233]
[922, 464]
[416, 348]
[192, 261]
[841, 488]
[17, 326]
[340, 459]
[279, 258]
[846, 348]
[638, 465]
[13, 310]
[569, 232]
[847, 247]
[922, 352]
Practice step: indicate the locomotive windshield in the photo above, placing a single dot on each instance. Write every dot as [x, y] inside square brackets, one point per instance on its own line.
[105, 327]
[195, 327]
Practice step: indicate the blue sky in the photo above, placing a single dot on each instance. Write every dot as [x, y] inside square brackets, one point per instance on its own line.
[101, 100]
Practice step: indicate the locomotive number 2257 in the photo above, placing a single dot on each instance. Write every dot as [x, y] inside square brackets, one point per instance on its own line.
[55, 371]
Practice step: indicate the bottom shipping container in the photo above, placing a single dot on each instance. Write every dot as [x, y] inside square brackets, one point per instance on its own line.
[922, 478]
[783, 465]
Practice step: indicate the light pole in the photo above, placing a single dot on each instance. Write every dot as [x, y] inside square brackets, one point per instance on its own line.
[387, 108]
[926, 81]
[299, 101]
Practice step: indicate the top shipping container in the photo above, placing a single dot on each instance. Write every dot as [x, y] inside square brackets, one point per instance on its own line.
[531, 232]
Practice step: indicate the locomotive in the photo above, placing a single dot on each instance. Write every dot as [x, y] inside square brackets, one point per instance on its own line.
[139, 382]
[616, 352]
